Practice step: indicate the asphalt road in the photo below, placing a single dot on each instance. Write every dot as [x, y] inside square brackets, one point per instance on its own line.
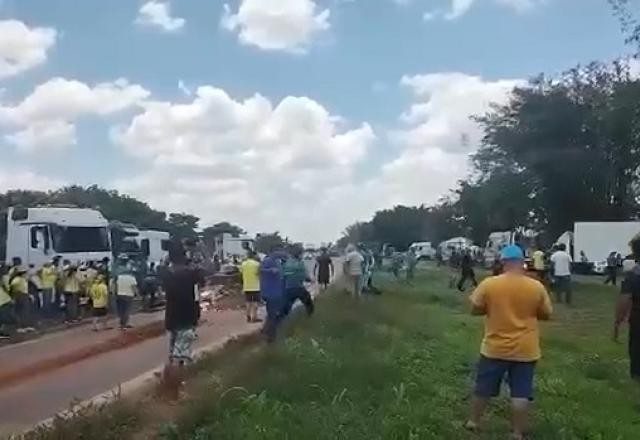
[42, 396]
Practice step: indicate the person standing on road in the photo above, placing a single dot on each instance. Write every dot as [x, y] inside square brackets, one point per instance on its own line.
[354, 262]
[48, 278]
[323, 269]
[412, 261]
[295, 275]
[561, 263]
[71, 288]
[7, 316]
[182, 313]
[126, 289]
[99, 294]
[512, 304]
[628, 310]
[19, 290]
[250, 272]
[466, 271]
[272, 292]
[612, 269]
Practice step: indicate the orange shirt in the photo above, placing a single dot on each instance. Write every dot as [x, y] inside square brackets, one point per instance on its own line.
[512, 305]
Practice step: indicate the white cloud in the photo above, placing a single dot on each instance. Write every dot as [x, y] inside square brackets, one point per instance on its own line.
[520, 5]
[45, 118]
[158, 14]
[458, 8]
[22, 48]
[277, 25]
[21, 178]
[265, 166]
[437, 135]
[184, 88]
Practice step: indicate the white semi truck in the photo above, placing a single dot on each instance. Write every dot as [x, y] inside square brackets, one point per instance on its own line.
[154, 244]
[36, 235]
[596, 240]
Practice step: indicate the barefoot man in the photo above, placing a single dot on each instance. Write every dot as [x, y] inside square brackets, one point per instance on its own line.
[512, 304]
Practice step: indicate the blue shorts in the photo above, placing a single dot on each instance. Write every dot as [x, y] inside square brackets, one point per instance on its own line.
[491, 373]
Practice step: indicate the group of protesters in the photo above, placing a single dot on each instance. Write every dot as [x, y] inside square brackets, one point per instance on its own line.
[62, 290]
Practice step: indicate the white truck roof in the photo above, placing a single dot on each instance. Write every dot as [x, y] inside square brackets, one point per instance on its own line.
[80, 217]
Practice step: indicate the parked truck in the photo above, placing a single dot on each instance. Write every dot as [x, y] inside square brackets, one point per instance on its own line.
[38, 234]
[592, 242]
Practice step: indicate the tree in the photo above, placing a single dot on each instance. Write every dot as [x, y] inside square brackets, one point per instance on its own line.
[264, 243]
[630, 23]
[576, 139]
[183, 225]
[210, 233]
[358, 232]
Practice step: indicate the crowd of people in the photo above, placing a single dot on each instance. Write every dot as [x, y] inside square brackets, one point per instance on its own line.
[66, 291]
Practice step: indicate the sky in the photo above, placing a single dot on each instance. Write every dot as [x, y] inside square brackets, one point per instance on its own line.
[300, 116]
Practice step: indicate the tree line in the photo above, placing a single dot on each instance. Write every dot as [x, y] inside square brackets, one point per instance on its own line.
[562, 149]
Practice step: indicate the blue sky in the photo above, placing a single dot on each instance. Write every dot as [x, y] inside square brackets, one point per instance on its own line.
[310, 113]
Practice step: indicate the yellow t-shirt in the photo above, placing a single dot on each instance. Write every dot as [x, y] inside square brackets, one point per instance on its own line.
[71, 282]
[48, 277]
[99, 295]
[19, 286]
[250, 270]
[5, 298]
[538, 260]
[512, 304]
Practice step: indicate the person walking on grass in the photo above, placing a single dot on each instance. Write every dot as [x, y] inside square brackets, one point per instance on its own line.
[412, 261]
[323, 270]
[561, 264]
[354, 262]
[99, 294]
[126, 289]
[612, 269]
[512, 304]
[466, 271]
[295, 275]
[250, 272]
[272, 292]
[182, 313]
[628, 310]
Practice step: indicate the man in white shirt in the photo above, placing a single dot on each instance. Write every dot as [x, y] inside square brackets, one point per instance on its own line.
[353, 264]
[126, 288]
[561, 266]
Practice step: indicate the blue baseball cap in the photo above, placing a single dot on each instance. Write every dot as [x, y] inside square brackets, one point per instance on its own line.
[512, 252]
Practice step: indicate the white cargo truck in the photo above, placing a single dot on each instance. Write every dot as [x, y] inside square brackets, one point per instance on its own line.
[423, 250]
[154, 245]
[596, 240]
[36, 235]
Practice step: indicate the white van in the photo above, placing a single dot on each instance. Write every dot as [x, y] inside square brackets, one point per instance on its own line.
[423, 250]
[36, 235]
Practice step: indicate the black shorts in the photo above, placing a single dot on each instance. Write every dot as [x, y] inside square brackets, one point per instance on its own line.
[252, 297]
[99, 312]
[492, 372]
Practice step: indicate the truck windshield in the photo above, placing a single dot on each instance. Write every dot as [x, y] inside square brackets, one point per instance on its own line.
[79, 239]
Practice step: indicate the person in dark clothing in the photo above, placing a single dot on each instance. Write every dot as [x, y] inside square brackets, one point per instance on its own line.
[466, 271]
[612, 269]
[272, 292]
[150, 288]
[182, 313]
[628, 309]
[323, 269]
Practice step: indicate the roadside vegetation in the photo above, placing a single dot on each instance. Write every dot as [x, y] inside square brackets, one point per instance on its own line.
[398, 366]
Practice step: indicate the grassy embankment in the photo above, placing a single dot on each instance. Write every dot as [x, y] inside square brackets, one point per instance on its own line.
[398, 366]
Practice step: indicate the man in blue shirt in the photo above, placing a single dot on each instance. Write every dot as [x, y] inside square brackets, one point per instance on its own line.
[295, 275]
[272, 292]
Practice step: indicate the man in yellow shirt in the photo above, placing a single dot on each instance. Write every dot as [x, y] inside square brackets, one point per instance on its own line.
[71, 286]
[539, 265]
[48, 278]
[512, 305]
[250, 271]
[19, 291]
[99, 294]
[6, 310]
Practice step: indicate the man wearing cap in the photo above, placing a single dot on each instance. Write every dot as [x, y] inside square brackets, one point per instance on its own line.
[512, 304]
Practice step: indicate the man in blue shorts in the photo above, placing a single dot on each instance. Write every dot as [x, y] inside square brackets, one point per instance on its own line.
[512, 304]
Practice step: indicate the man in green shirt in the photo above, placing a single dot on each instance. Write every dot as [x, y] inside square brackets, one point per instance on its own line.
[295, 275]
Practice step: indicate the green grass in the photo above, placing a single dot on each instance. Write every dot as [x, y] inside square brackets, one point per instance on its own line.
[398, 366]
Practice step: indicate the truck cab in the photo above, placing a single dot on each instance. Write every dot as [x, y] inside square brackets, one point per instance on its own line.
[38, 234]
